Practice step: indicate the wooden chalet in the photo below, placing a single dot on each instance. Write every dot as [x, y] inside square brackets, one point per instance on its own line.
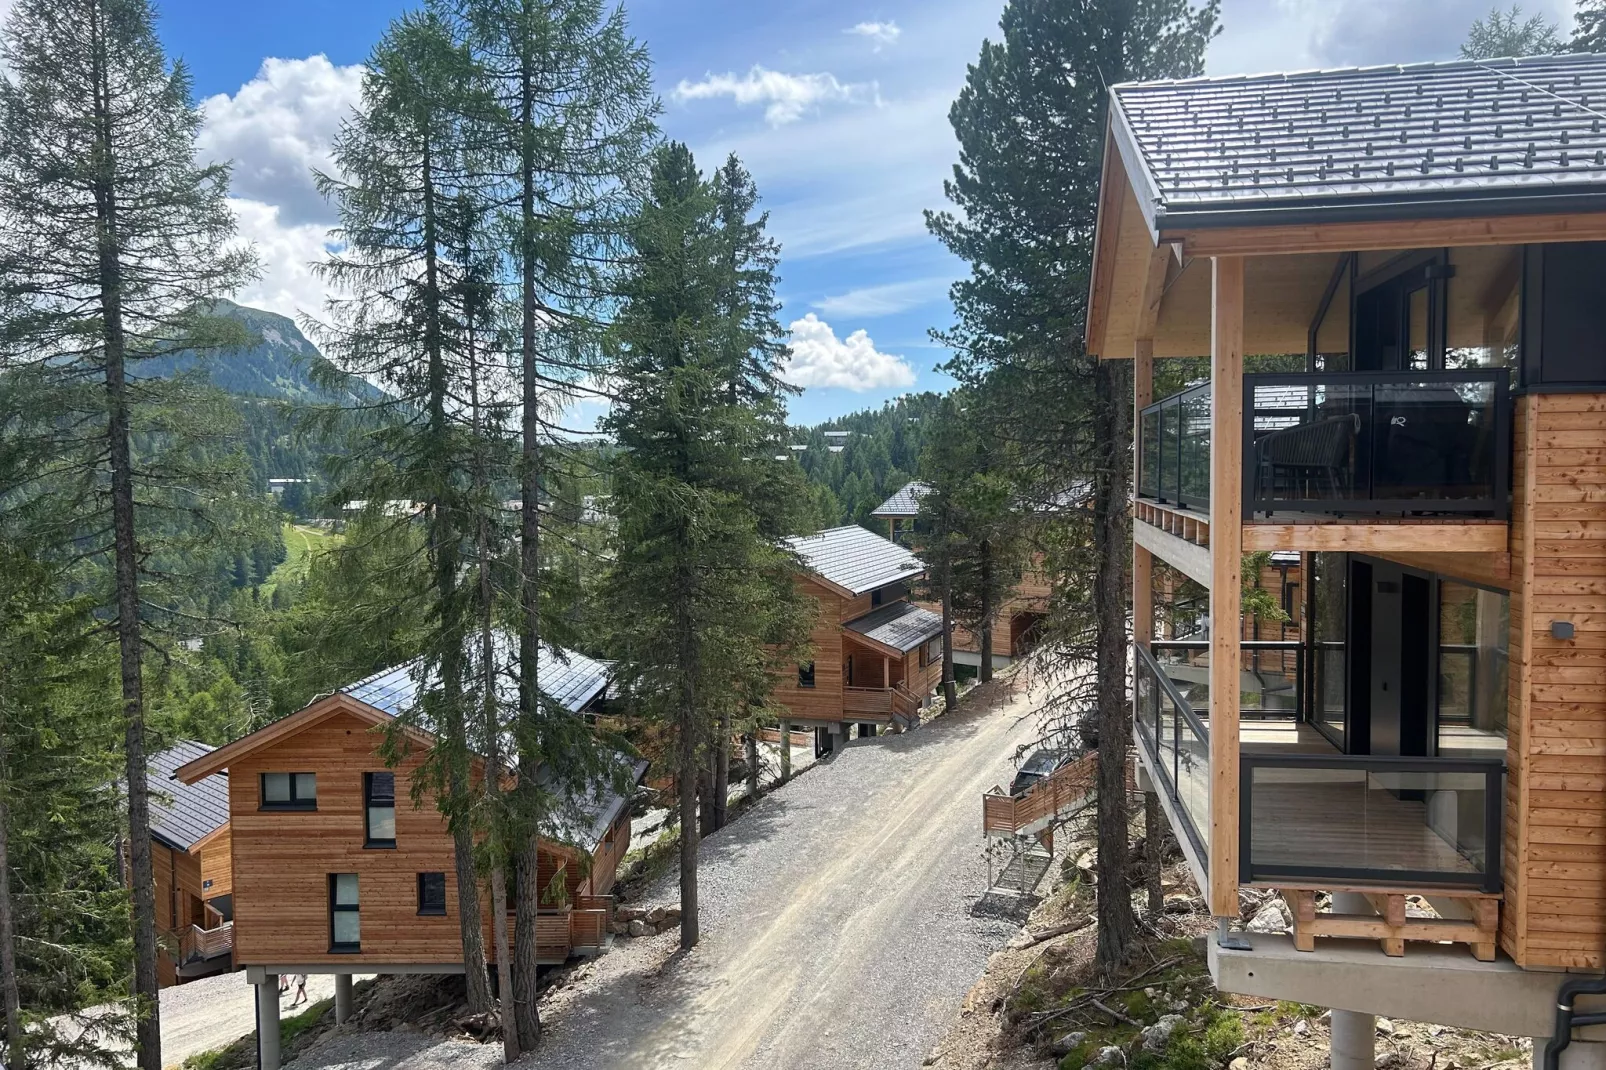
[190, 862]
[877, 655]
[1017, 622]
[336, 871]
[1395, 281]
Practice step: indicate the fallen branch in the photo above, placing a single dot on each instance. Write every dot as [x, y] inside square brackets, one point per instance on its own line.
[1117, 1015]
[1058, 930]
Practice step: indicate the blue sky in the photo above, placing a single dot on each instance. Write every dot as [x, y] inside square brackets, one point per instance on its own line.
[838, 107]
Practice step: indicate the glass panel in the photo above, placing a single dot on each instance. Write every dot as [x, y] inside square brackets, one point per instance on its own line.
[1195, 447]
[1474, 642]
[1328, 629]
[1481, 303]
[1416, 352]
[1433, 440]
[1308, 444]
[382, 823]
[1193, 777]
[1332, 336]
[347, 925]
[1149, 473]
[382, 787]
[275, 787]
[306, 787]
[1170, 417]
[345, 889]
[1352, 819]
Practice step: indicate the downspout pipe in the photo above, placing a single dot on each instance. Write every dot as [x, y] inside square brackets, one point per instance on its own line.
[1567, 1021]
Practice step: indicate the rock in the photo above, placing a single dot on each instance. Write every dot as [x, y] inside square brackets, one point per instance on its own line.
[1020, 941]
[1302, 1028]
[1240, 1063]
[672, 914]
[1158, 1035]
[619, 928]
[1385, 1027]
[654, 916]
[627, 914]
[1386, 1060]
[1436, 1030]
[1066, 1044]
[1110, 1055]
[638, 927]
[1149, 992]
[1184, 904]
[1179, 1004]
[1272, 917]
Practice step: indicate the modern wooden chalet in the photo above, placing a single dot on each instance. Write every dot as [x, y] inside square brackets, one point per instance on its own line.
[1017, 622]
[1391, 287]
[336, 871]
[877, 655]
[190, 861]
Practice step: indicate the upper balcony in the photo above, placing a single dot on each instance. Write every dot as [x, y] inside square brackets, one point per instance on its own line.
[1417, 444]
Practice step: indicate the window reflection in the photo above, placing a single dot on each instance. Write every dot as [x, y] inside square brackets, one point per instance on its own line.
[1474, 641]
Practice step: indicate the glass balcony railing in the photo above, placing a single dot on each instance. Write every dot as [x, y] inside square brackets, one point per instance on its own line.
[1271, 674]
[1343, 443]
[1178, 744]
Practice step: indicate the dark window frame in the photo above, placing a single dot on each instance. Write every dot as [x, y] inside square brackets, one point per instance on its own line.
[370, 841]
[427, 908]
[295, 802]
[805, 675]
[335, 907]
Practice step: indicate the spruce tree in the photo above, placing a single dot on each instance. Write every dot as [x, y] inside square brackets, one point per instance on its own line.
[1507, 33]
[1589, 27]
[114, 244]
[1031, 128]
[700, 588]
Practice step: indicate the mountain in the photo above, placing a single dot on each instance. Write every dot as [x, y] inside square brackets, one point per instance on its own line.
[280, 366]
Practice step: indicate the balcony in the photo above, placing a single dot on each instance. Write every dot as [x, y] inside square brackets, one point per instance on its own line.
[1342, 444]
[1309, 815]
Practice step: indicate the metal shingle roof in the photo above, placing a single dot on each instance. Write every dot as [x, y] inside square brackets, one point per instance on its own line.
[901, 625]
[1430, 139]
[904, 502]
[567, 678]
[184, 814]
[856, 559]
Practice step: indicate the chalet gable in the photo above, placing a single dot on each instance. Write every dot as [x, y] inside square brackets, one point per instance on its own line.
[852, 561]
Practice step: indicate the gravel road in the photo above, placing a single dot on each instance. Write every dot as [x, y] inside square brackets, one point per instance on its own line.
[836, 931]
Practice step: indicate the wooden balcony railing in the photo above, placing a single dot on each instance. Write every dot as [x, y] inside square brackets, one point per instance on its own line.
[1062, 790]
[867, 699]
[197, 944]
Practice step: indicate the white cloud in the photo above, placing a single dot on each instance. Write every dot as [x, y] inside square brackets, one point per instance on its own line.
[819, 358]
[882, 33]
[885, 300]
[286, 252]
[278, 127]
[786, 96]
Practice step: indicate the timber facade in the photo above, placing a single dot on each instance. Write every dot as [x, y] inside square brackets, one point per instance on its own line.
[191, 863]
[1387, 285]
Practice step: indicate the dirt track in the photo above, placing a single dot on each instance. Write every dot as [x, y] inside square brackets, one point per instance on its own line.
[836, 930]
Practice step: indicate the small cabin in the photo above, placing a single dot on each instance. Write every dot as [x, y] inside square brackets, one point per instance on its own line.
[1364, 310]
[191, 865]
[877, 655]
[336, 870]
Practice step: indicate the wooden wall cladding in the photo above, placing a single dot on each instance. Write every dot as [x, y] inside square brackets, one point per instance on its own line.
[823, 701]
[1555, 860]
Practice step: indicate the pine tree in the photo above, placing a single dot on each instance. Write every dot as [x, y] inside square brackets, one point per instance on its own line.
[1031, 128]
[114, 244]
[700, 587]
[574, 93]
[1589, 27]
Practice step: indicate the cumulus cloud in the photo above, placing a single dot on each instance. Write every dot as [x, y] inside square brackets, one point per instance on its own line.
[786, 97]
[819, 358]
[885, 300]
[882, 33]
[278, 127]
[287, 253]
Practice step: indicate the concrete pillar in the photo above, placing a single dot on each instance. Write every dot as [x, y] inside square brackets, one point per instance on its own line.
[1579, 1055]
[268, 1023]
[1354, 1035]
[786, 750]
[342, 997]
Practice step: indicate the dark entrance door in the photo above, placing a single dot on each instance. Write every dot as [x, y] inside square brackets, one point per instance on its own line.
[1393, 643]
[1397, 320]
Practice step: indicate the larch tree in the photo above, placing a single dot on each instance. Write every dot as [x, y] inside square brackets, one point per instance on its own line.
[1031, 127]
[575, 124]
[410, 169]
[113, 241]
[1507, 33]
[701, 588]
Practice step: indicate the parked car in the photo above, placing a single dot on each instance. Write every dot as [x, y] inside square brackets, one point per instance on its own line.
[1040, 764]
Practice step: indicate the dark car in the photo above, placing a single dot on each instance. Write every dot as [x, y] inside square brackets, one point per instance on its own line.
[1041, 764]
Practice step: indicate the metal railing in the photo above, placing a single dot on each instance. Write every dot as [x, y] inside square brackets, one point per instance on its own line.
[1377, 442]
[1174, 450]
[1342, 443]
[1271, 671]
[1423, 822]
[1178, 743]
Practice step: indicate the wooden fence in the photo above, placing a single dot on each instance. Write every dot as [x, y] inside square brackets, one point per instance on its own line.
[1064, 789]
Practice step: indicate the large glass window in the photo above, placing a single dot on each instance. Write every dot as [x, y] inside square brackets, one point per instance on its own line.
[345, 924]
[1329, 621]
[1474, 644]
[289, 791]
[379, 809]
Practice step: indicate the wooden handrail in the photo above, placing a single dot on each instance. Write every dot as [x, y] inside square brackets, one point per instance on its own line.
[1065, 787]
[199, 943]
[867, 699]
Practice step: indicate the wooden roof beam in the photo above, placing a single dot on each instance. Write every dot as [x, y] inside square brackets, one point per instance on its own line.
[1394, 234]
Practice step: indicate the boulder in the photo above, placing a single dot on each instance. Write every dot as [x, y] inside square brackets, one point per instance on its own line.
[619, 928]
[1272, 917]
[1240, 1063]
[1302, 1028]
[638, 928]
[1110, 1055]
[628, 914]
[1063, 1046]
[1158, 1035]
[655, 916]
[672, 915]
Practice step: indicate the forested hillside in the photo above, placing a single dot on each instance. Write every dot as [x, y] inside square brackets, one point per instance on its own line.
[879, 454]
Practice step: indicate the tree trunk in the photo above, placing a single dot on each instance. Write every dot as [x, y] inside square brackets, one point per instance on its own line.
[950, 690]
[705, 801]
[690, 760]
[786, 751]
[750, 753]
[526, 1016]
[504, 972]
[1117, 923]
[987, 610]
[8, 950]
[1154, 848]
[722, 771]
[125, 554]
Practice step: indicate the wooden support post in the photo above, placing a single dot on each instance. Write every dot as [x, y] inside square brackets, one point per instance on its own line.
[1226, 583]
[1142, 560]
